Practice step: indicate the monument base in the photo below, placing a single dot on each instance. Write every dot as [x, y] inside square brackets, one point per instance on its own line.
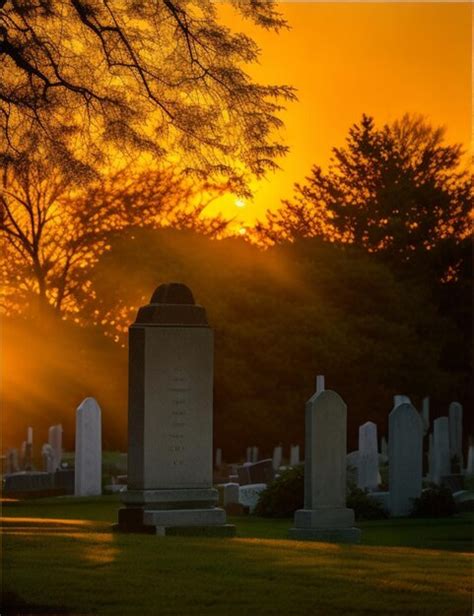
[330, 524]
[209, 522]
[327, 535]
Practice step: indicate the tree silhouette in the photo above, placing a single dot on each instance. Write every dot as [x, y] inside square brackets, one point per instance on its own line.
[54, 232]
[397, 191]
[163, 77]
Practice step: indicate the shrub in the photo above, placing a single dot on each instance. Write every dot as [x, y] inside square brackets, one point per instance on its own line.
[365, 508]
[434, 502]
[283, 496]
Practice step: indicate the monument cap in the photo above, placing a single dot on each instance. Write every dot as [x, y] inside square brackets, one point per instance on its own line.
[172, 304]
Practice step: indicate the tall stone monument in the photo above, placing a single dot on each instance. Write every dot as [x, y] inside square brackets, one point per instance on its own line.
[368, 475]
[405, 446]
[441, 451]
[277, 457]
[455, 432]
[55, 440]
[88, 454]
[325, 516]
[170, 420]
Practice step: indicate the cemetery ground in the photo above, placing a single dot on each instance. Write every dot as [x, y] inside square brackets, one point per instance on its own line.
[60, 557]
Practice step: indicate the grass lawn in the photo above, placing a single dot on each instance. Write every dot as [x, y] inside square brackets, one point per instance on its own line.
[59, 556]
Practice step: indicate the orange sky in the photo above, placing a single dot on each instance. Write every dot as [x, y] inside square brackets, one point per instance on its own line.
[383, 59]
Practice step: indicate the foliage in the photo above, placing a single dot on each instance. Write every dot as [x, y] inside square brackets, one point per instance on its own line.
[314, 309]
[284, 495]
[96, 77]
[55, 232]
[395, 190]
[365, 508]
[434, 502]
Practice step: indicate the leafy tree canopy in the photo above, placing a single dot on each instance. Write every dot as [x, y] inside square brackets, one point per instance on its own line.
[396, 190]
[163, 77]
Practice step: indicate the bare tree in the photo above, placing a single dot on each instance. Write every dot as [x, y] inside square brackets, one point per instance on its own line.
[163, 77]
[54, 232]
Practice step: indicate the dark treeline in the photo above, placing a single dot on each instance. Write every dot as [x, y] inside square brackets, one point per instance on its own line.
[280, 316]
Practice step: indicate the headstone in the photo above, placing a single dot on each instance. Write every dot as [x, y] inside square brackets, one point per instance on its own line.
[47, 456]
[294, 455]
[384, 449]
[171, 351]
[441, 453]
[261, 472]
[400, 399]
[277, 457]
[249, 495]
[455, 433]
[405, 446]
[368, 457]
[55, 440]
[28, 455]
[218, 462]
[320, 385]
[248, 454]
[325, 516]
[88, 452]
[425, 413]
[430, 458]
[470, 461]
[12, 461]
[230, 493]
[254, 454]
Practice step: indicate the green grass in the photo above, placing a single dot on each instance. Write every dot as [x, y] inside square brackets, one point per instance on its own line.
[63, 555]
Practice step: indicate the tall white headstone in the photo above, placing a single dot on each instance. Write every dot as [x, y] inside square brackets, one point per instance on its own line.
[170, 482]
[248, 454]
[47, 455]
[441, 453]
[55, 440]
[320, 384]
[455, 432]
[470, 461]
[254, 454]
[294, 455]
[405, 446]
[325, 516]
[88, 454]
[425, 413]
[277, 457]
[368, 475]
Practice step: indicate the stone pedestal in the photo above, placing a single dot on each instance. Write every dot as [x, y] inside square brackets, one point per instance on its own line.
[170, 420]
[325, 516]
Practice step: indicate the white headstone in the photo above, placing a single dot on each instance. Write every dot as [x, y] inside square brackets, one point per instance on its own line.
[230, 493]
[47, 455]
[455, 431]
[218, 457]
[441, 454]
[294, 455]
[277, 457]
[425, 413]
[320, 385]
[470, 461]
[88, 454]
[254, 454]
[248, 454]
[55, 439]
[430, 458]
[250, 493]
[405, 446]
[325, 516]
[368, 475]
